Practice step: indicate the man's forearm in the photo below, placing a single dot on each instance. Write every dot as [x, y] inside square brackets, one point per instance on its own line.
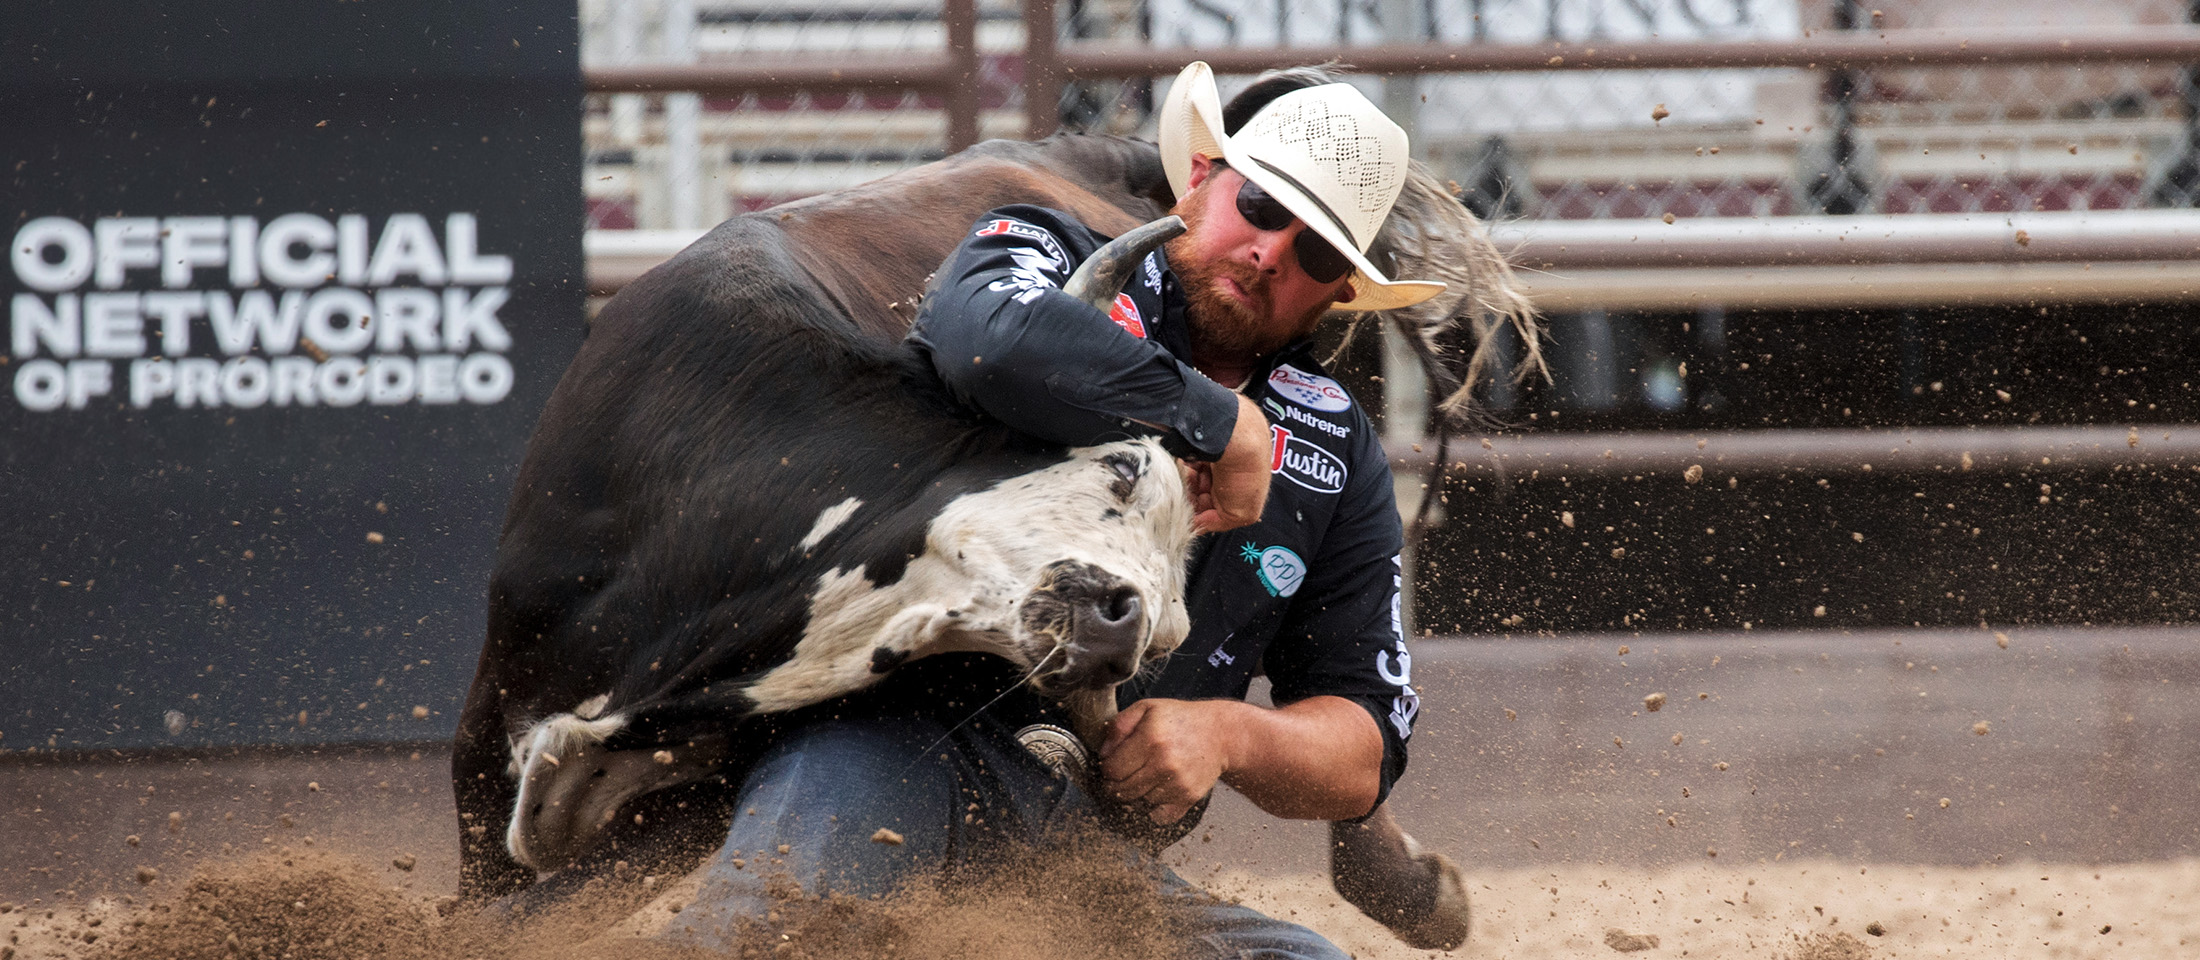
[1320, 758]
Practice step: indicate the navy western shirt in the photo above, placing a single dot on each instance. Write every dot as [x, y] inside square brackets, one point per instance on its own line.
[1309, 594]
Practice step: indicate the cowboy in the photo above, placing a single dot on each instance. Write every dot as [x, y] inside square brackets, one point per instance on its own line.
[1284, 194]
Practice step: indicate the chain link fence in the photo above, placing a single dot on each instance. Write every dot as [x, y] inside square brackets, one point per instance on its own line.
[1556, 144]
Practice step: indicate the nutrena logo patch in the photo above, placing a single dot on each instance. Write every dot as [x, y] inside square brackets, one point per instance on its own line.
[1281, 571]
[1303, 462]
[1126, 316]
[1311, 390]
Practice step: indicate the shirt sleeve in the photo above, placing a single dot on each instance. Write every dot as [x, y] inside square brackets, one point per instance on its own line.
[1006, 340]
[1344, 635]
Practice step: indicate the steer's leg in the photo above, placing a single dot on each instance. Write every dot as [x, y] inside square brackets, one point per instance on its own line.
[1420, 896]
[484, 792]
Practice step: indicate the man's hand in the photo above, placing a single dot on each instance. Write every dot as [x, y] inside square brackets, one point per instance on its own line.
[1232, 492]
[1164, 752]
[1320, 758]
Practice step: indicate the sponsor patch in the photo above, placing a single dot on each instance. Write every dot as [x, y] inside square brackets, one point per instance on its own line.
[1303, 462]
[1126, 316]
[1280, 570]
[1153, 272]
[1282, 412]
[1219, 658]
[1396, 665]
[1018, 228]
[1310, 390]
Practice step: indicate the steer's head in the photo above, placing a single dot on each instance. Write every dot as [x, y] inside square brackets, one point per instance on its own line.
[1078, 569]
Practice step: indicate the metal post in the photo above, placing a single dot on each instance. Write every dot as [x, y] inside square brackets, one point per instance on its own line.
[1838, 187]
[2180, 182]
[683, 122]
[624, 43]
[961, 17]
[1042, 71]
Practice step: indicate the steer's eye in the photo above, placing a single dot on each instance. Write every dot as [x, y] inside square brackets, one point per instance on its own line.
[1127, 470]
[1124, 465]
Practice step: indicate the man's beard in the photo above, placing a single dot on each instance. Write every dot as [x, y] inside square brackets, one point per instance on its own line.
[1221, 326]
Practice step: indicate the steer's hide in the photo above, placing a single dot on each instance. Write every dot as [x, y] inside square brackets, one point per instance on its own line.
[744, 496]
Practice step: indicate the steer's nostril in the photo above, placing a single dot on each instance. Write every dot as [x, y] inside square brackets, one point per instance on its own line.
[1121, 606]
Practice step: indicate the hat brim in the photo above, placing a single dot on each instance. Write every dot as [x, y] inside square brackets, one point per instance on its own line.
[1191, 122]
[1371, 290]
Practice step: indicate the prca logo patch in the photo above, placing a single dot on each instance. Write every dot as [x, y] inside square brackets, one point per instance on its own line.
[1311, 390]
[1281, 571]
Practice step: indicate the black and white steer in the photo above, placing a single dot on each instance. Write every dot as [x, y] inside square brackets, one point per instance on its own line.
[736, 504]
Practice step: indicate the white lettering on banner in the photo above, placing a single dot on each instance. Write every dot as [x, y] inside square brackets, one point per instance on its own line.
[298, 230]
[393, 315]
[247, 382]
[42, 385]
[255, 318]
[122, 243]
[175, 311]
[188, 243]
[351, 248]
[60, 234]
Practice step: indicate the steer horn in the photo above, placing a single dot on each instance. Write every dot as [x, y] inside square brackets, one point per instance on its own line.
[1103, 274]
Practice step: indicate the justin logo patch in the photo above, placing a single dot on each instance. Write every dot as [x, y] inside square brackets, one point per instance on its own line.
[1303, 462]
[1281, 571]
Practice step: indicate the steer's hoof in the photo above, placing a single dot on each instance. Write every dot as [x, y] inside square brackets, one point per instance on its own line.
[1444, 926]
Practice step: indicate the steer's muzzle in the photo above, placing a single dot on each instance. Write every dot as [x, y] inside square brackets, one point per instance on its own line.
[1087, 626]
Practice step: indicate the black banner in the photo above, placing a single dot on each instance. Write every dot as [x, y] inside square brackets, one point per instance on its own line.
[287, 283]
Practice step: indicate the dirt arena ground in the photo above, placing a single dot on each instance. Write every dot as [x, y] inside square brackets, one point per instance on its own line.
[1814, 797]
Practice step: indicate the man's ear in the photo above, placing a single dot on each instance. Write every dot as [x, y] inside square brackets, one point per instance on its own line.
[1203, 166]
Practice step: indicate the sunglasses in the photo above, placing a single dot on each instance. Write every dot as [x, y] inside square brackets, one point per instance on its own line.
[1317, 257]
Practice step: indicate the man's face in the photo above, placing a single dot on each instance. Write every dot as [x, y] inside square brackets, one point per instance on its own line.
[1248, 295]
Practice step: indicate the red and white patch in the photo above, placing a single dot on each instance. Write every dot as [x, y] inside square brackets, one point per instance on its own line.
[1305, 463]
[1126, 316]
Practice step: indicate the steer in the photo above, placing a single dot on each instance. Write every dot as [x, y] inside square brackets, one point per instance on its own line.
[744, 497]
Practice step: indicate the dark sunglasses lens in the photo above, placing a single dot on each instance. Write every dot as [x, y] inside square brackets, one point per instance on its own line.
[1319, 259]
[1261, 210]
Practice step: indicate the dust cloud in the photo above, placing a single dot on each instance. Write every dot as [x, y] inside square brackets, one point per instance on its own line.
[313, 905]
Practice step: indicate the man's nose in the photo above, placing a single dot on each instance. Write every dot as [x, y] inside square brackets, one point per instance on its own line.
[1272, 248]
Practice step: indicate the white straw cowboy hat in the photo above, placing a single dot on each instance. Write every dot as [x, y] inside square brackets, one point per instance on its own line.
[1325, 152]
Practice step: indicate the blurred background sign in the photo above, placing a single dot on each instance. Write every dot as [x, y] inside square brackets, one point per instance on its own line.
[287, 285]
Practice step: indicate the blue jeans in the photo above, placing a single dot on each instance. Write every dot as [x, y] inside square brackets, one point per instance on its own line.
[827, 786]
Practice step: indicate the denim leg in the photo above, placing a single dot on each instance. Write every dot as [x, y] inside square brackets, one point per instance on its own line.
[1227, 931]
[825, 789]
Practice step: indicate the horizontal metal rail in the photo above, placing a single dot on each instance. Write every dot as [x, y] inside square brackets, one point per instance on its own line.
[836, 71]
[1774, 262]
[1911, 48]
[951, 73]
[1913, 238]
[782, 73]
[1822, 453]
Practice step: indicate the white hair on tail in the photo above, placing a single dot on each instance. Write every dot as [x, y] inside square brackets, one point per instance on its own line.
[1432, 236]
